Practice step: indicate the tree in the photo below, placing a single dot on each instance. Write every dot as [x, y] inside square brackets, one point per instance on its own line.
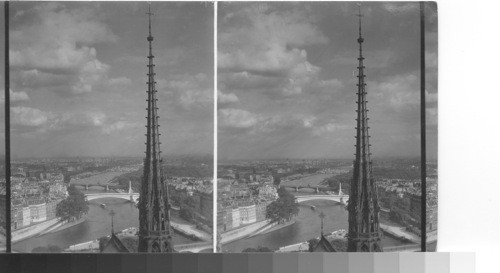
[276, 180]
[67, 178]
[312, 243]
[73, 207]
[102, 242]
[186, 214]
[283, 208]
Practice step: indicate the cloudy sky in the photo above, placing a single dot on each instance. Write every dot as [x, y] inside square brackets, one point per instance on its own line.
[286, 84]
[79, 78]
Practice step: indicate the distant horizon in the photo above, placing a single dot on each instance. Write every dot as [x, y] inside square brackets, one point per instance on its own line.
[224, 160]
[326, 158]
[110, 156]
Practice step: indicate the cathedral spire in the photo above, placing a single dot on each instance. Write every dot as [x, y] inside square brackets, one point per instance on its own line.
[364, 232]
[155, 234]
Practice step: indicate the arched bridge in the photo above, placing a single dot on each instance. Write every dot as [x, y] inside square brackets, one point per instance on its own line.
[337, 198]
[317, 189]
[130, 195]
[125, 195]
[106, 187]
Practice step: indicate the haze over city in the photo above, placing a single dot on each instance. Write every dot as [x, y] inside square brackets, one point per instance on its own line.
[287, 80]
[78, 78]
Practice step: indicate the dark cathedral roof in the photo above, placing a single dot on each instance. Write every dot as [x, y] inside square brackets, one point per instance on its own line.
[115, 245]
[323, 245]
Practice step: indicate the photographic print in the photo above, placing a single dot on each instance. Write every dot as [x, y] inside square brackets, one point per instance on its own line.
[111, 126]
[319, 126]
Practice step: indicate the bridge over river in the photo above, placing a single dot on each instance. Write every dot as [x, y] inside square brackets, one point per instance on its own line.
[133, 197]
[320, 193]
[343, 199]
[130, 195]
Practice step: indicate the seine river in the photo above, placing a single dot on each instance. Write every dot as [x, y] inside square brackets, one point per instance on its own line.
[307, 226]
[97, 224]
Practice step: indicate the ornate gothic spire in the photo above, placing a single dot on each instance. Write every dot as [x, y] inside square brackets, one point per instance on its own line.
[154, 217]
[364, 232]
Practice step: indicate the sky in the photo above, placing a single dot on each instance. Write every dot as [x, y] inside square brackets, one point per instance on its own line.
[78, 78]
[286, 79]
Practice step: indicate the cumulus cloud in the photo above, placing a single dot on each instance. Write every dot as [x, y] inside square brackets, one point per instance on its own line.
[431, 59]
[44, 121]
[237, 118]
[119, 81]
[189, 91]
[14, 96]
[269, 45]
[27, 116]
[281, 122]
[400, 91]
[277, 124]
[226, 98]
[18, 96]
[56, 44]
[328, 128]
[117, 126]
[192, 97]
[431, 116]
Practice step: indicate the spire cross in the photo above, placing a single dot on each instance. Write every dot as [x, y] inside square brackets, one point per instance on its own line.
[149, 13]
[359, 15]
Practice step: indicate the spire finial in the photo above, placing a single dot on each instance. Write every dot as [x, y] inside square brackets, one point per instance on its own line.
[360, 39]
[149, 13]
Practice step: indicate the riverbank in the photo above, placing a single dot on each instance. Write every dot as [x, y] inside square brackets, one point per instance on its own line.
[271, 227]
[252, 230]
[62, 226]
[304, 246]
[242, 232]
[190, 231]
[33, 230]
[43, 228]
[399, 233]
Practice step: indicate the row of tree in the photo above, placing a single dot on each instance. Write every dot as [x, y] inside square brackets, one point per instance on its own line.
[73, 207]
[282, 209]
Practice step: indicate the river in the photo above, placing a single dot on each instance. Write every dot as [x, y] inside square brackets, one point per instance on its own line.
[307, 226]
[97, 224]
